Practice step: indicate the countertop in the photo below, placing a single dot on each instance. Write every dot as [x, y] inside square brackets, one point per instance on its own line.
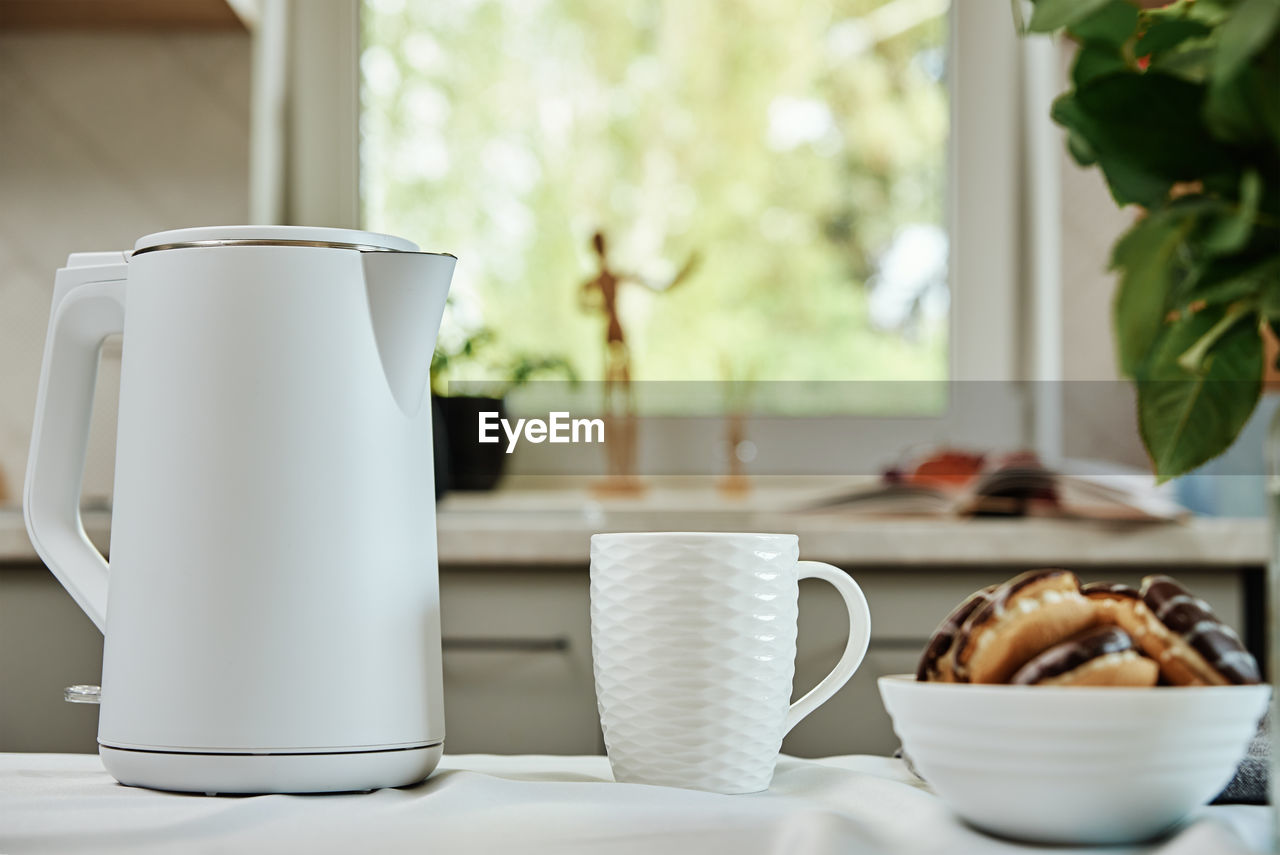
[552, 525]
[563, 805]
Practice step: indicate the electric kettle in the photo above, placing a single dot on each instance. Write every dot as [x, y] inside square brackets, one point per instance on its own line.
[271, 611]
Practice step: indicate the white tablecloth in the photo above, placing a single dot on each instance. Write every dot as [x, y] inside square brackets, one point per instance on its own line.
[561, 805]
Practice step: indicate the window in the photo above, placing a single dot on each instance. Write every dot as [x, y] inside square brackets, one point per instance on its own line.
[523, 226]
[783, 164]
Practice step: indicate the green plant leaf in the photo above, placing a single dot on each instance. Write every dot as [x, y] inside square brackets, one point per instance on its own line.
[1092, 62]
[1244, 108]
[1019, 20]
[1209, 12]
[1190, 63]
[1193, 359]
[1187, 418]
[1230, 233]
[1270, 297]
[1189, 59]
[525, 367]
[1243, 34]
[1080, 149]
[1262, 77]
[1129, 180]
[1131, 122]
[1050, 15]
[1226, 280]
[1225, 291]
[1167, 33]
[1145, 258]
[1113, 25]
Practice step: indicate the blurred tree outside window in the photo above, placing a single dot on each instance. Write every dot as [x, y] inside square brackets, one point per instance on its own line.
[798, 147]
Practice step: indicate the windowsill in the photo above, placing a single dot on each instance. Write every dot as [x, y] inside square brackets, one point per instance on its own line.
[549, 522]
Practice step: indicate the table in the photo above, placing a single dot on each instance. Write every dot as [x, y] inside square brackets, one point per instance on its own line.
[66, 803]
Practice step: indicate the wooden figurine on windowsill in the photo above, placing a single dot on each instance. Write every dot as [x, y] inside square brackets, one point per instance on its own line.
[600, 294]
[738, 450]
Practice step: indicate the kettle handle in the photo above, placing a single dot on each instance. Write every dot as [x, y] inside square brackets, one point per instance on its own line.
[83, 314]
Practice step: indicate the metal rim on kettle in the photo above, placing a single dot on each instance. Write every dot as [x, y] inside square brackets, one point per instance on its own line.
[360, 247]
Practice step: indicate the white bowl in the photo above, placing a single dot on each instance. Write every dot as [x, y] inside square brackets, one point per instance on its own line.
[1073, 765]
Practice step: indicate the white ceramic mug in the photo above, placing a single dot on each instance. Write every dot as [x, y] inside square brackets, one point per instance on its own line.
[694, 640]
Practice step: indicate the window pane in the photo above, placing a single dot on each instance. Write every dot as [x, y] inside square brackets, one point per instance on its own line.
[782, 162]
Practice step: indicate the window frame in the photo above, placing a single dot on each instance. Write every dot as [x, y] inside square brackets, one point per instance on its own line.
[990, 405]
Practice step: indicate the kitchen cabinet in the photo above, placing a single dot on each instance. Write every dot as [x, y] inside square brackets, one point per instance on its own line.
[517, 694]
[517, 662]
[517, 655]
[46, 644]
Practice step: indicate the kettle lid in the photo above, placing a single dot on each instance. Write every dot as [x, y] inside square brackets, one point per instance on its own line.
[273, 236]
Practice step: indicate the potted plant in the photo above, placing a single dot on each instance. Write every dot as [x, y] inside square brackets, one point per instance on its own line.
[1178, 107]
[469, 464]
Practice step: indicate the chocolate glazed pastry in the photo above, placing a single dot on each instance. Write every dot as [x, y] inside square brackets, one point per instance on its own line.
[1103, 656]
[1117, 604]
[1194, 647]
[937, 661]
[1177, 630]
[1020, 619]
[1110, 590]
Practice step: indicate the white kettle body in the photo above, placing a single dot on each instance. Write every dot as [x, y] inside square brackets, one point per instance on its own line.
[271, 609]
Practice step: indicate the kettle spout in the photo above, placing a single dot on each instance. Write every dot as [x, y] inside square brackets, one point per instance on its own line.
[406, 293]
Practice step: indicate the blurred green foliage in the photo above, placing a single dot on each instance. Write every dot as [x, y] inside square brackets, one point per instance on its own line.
[785, 142]
[491, 379]
[1179, 106]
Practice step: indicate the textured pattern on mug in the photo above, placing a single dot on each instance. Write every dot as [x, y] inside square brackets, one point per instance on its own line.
[694, 650]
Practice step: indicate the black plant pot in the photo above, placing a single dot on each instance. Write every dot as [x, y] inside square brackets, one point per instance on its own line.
[439, 447]
[472, 465]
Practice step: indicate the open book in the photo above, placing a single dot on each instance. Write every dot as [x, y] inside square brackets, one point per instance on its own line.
[959, 484]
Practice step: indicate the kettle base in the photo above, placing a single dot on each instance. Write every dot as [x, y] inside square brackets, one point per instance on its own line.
[241, 774]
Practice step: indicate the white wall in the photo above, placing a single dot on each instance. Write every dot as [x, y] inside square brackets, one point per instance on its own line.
[1098, 406]
[104, 137]
[1091, 222]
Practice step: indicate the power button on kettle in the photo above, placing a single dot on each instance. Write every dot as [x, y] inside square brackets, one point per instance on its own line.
[82, 694]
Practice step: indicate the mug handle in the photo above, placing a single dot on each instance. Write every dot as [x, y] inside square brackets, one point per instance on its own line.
[854, 650]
